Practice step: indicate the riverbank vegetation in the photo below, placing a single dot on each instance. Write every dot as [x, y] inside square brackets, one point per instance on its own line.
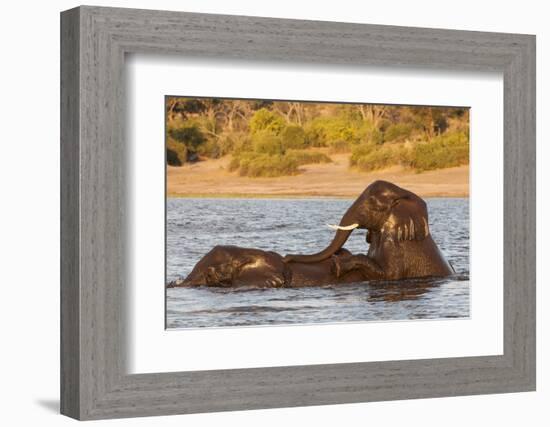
[275, 138]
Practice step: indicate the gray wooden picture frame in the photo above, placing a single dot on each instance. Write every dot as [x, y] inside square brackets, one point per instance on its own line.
[94, 382]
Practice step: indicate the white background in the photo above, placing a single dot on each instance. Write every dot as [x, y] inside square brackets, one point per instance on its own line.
[29, 218]
[152, 349]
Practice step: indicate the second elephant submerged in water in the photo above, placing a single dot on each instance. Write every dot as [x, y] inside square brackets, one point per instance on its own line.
[400, 247]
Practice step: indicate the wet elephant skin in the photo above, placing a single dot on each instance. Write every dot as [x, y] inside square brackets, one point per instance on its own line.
[400, 247]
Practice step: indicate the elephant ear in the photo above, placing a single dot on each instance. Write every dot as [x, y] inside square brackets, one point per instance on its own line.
[407, 220]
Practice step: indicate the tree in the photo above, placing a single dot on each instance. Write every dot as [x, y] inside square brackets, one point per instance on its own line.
[293, 136]
[373, 113]
[188, 134]
[265, 120]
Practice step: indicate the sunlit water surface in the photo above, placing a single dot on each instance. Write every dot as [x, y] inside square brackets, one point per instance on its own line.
[194, 226]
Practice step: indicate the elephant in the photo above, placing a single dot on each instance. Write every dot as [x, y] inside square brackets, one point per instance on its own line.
[400, 247]
[232, 266]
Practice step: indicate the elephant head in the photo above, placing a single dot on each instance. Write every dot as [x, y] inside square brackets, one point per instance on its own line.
[383, 207]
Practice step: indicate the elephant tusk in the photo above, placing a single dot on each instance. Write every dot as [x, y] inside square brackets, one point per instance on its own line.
[426, 228]
[346, 227]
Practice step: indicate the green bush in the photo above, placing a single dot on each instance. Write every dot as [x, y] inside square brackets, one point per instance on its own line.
[256, 164]
[378, 159]
[236, 159]
[242, 143]
[444, 151]
[265, 142]
[293, 136]
[189, 134]
[369, 157]
[172, 158]
[265, 120]
[360, 151]
[263, 165]
[227, 143]
[326, 131]
[270, 166]
[314, 134]
[176, 153]
[306, 157]
[404, 155]
[398, 132]
[211, 148]
[374, 136]
[234, 142]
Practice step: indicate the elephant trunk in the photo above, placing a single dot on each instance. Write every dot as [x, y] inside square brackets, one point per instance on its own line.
[337, 242]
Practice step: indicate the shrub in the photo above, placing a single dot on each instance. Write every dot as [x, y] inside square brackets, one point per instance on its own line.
[263, 165]
[270, 166]
[227, 143]
[444, 151]
[374, 136]
[242, 143]
[314, 134]
[370, 157]
[293, 136]
[266, 142]
[172, 158]
[189, 134]
[404, 154]
[378, 159]
[398, 132]
[325, 131]
[234, 142]
[306, 157]
[254, 164]
[441, 123]
[211, 148]
[176, 152]
[265, 120]
[360, 151]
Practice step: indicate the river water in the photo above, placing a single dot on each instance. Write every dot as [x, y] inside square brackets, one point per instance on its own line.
[194, 226]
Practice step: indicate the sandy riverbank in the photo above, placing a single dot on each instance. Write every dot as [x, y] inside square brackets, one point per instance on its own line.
[211, 179]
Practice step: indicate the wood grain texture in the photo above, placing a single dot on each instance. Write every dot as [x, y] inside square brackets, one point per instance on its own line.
[70, 258]
[94, 202]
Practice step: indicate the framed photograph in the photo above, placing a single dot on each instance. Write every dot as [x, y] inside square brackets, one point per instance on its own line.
[262, 213]
[250, 179]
